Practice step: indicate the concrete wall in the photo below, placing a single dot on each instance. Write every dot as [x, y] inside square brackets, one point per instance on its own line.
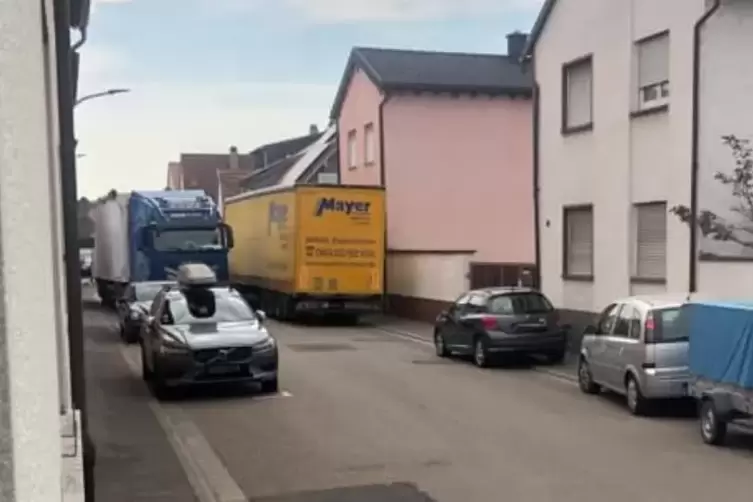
[726, 107]
[360, 107]
[33, 349]
[420, 284]
[624, 160]
[459, 175]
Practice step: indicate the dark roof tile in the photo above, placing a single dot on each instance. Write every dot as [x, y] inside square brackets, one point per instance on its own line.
[395, 70]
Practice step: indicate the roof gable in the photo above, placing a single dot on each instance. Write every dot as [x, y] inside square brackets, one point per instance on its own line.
[410, 70]
[538, 27]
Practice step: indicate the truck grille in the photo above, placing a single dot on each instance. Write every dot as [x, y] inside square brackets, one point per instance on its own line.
[234, 354]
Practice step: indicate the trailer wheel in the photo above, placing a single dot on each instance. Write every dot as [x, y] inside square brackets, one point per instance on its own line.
[713, 427]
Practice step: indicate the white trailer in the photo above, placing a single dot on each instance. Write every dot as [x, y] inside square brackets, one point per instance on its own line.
[111, 267]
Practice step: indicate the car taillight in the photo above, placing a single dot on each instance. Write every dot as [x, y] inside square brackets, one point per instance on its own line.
[489, 322]
[649, 327]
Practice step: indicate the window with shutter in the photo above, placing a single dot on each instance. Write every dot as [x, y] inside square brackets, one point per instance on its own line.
[651, 241]
[653, 71]
[578, 89]
[578, 242]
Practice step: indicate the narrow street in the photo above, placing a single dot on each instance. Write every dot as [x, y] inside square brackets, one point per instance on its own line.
[366, 416]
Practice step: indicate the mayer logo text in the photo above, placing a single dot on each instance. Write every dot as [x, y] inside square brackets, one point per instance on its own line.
[278, 214]
[349, 207]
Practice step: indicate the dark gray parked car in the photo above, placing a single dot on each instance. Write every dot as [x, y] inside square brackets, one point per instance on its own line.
[133, 307]
[508, 320]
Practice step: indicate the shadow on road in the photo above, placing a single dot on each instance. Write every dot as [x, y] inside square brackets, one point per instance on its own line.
[395, 492]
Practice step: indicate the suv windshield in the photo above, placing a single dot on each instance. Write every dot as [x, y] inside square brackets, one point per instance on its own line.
[227, 308]
[519, 303]
[667, 326]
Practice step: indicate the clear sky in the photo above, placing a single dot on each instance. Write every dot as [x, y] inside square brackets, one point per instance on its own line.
[208, 74]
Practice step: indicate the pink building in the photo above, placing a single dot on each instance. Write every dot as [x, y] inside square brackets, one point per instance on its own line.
[450, 137]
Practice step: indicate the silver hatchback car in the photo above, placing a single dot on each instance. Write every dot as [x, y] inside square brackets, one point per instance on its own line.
[638, 349]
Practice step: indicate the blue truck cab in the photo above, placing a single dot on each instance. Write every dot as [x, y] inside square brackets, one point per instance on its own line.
[147, 235]
[169, 228]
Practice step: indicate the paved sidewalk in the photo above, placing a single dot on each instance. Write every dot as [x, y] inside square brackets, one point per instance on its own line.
[135, 462]
[425, 331]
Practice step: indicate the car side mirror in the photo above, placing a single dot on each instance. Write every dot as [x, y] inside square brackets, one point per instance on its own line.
[261, 316]
[589, 330]
[151, 322]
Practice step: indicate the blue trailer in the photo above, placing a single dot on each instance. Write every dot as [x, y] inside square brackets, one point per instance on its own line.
[721, 362]
[146, 235]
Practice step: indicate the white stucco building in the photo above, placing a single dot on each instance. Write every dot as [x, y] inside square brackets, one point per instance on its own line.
[40, 444]
[615, 145]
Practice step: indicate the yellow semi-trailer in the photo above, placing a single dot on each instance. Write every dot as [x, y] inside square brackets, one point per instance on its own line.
[309, 249]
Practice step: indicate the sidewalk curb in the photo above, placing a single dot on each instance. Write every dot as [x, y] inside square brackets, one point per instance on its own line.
[553, 372]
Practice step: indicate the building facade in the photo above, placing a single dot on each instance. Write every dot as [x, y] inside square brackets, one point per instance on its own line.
[629, 125]
[449, 136]
[40, 453]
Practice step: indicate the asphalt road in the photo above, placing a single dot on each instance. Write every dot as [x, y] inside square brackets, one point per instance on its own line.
[365, 416]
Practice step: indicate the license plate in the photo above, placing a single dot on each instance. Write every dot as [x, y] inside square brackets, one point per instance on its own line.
[224, 370]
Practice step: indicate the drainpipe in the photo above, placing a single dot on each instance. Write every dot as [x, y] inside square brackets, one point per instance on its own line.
[383, 180]
[536, 210]
[693, 271]
[70, 225]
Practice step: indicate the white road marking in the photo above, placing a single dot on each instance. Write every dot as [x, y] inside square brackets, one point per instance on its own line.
[405, 335]
[205, 471]
[412, 337]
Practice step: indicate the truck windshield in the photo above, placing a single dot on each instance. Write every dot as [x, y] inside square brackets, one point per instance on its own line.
[193, 239]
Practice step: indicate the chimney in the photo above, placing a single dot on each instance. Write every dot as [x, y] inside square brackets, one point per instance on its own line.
[516, 42]
[313, 130]
[234, 162]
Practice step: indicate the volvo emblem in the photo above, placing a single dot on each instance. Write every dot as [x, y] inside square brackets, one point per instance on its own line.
[222, 354]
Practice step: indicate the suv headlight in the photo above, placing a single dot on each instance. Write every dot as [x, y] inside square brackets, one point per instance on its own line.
[169, 345]
[267, 344]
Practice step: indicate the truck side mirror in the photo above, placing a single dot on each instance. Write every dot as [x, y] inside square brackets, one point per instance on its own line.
[229, 239]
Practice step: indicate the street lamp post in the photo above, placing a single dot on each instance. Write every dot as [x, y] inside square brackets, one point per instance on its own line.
[108, 92]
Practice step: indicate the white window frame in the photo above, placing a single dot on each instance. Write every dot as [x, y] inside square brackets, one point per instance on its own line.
[652, 73]
[369, 144]
[577, 95]
[578, 242]
[352, 149]
[650, 241]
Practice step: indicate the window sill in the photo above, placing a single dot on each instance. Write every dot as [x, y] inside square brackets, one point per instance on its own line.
[648, 280]
[654, 110]
[578, 278]
[568, 131]
[724, 259]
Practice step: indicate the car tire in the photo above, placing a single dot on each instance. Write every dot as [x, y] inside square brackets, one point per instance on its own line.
[439, 345]
[480, 352]
[270, 386]
[637, 404]
[713, 427]
[585, 378]
[128, 336]
[146, 373]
